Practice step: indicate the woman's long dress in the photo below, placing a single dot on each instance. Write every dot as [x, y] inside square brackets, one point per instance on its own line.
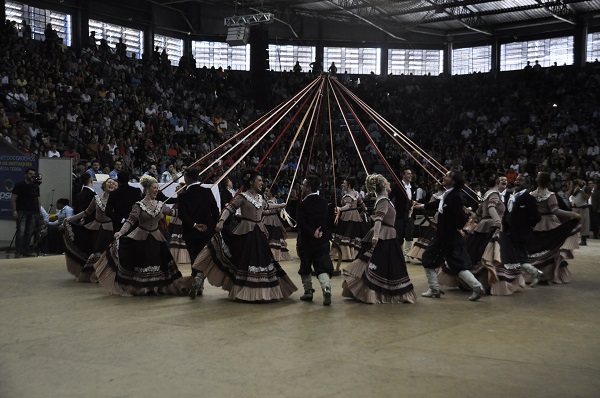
[553, 241]
[277, 233]
[140, 262]
[84, 244]
[378, 274]
[351, 228]
[241, 262]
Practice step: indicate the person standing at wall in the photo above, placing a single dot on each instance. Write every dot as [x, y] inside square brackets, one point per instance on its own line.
[25, 202]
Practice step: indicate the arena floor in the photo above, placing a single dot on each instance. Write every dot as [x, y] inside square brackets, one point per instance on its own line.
[60, 338]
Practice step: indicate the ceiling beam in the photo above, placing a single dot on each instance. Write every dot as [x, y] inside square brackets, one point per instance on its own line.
[464, 16]
[560, 11]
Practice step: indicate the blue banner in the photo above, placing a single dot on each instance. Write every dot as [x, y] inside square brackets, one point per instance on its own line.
[12, 170]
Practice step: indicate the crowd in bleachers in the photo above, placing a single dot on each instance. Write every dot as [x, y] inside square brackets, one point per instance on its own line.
[104, 105]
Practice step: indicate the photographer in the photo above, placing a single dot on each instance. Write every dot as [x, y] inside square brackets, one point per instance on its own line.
[26, 208]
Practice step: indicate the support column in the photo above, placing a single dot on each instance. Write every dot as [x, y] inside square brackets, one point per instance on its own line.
[495, 58]
[259, 66]
[580, 43]
[383, 68]
[80, 31]
[448, 57]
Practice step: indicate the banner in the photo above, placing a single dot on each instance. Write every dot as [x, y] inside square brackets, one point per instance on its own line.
[12, 171]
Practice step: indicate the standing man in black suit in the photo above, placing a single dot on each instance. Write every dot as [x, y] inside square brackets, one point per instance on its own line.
[449, 242]
[199, 214]
[85, 197]
[403, 195]
[121, 200]
[520, 218]
[313, 240]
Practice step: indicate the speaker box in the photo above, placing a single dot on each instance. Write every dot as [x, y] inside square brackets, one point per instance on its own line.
[238, 35]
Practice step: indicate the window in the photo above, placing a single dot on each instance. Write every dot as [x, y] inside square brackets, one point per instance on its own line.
[38, 18]
[173, 46]
[284, 57]
[353, 60]
[133, 38]
[220, 54]
[415, 62]
[471, 60]
[593, 47]
[514, 56]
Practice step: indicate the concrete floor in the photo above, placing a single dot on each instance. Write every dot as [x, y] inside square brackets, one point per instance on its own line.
[60, 338]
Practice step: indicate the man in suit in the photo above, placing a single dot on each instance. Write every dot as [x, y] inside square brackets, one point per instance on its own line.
[520, 218]
[85, 197]
[198, 211]
[121, 201]
[403, 195]
[449, 243]
[313, 240]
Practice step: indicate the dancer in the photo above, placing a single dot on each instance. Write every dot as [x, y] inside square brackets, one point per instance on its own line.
[84, 244]
[421, 244]
[448, 243]
[402, 196]
[313, 240]
[275, 228]
[351, 227]
[121, 201]
[177, 244]
[199, 213]
[520, 219]
[499, 256]
[490, 213]
[242, 263]
[379, 275]
[139, 262]
[553, 241]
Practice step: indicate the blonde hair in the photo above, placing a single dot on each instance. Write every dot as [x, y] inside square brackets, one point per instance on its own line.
[374, 183]
[146, 181]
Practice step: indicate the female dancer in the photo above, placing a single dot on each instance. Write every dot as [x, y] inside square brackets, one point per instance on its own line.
[275, 228]
[176, 243]
[555, 237]
[84, 244]
[496, 264]
[379, 275]
[243, 264]
[139, 262]
[351, 228]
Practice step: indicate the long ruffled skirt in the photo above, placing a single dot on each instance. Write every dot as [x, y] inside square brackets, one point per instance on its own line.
[379, 275]
[278, 244]
[177, 245]
[348, 236]
[83, 248]
[244, 266]
[549, 250]
[131, 267]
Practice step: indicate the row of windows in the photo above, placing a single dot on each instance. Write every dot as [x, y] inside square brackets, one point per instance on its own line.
[513, 56]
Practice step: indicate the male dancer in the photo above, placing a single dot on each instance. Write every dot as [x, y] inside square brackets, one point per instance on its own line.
[449, 242]
[403, 196]
[121, 200]
[313, 240]
[521, 216]
[199, 214]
